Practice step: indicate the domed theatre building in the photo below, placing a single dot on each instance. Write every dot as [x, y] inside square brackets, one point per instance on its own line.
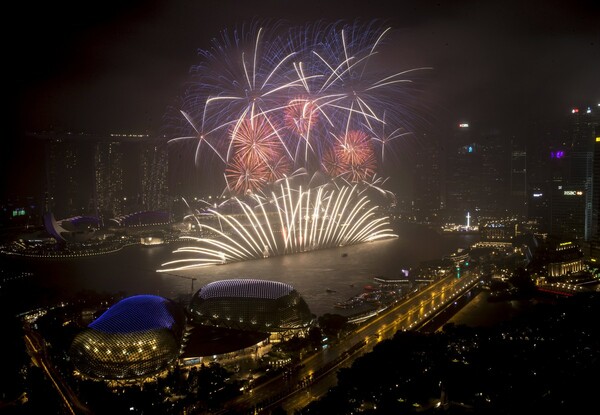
[140, 336]
[253, 305]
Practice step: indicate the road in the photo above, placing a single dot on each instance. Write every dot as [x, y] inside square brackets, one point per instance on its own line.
[36, 347]
[316, 373]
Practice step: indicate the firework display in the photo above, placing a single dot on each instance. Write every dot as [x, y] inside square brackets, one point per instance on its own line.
[264, 102]
[267, 106]
[291, 220]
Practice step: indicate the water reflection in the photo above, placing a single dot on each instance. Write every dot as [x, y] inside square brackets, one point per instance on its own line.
[133, 270]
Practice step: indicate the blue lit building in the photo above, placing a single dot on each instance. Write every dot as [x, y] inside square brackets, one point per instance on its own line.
[137, 337]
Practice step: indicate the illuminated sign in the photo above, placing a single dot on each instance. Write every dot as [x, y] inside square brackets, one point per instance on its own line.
[572, 193]
[463, 125]
[598, 139]
[537, 195]
[557, 154]
[565, 243]
[18, 212]
[574, 110]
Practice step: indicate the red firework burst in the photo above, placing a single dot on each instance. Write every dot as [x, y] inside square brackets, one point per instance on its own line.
[278, 168]
[256, 141]
[356, 156]
[331, 163]
[244, 176]
[300, 115]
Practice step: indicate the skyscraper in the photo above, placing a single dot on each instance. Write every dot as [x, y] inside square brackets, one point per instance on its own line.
[67, 190]
[572, 193]
[476, 172]
[153, 165]
[518, 179]
[109, 188]
[427, 183]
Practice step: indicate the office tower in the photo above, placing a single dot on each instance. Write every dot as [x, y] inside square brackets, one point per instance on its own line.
[595, 223]
[518, 179]
[427, 184]
[572, 189]
[476, 172]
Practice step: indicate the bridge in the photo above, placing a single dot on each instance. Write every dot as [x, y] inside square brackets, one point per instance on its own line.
[561, 288]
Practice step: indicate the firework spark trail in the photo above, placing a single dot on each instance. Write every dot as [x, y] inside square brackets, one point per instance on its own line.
[291, 228]
[274, 106]
[311, 85]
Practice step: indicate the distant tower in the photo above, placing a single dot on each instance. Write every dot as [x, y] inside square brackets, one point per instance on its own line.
[154, 164]
[66, 185]
[427, 183]
[572, 189]
[476, 171]
[518, 180]
[108, 190]
[595, 225]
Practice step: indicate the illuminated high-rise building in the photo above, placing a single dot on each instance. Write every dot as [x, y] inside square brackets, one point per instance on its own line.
[572, 189]
[476, 172]
[153, 165]
[595, 223]
[109, 187]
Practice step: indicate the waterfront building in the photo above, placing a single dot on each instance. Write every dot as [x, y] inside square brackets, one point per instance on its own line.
[138, 337]
[565, 258]
[144, 218]
[254, 305]
[498, 229]
[74, 229]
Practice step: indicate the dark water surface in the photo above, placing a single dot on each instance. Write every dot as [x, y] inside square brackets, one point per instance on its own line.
[133, 270]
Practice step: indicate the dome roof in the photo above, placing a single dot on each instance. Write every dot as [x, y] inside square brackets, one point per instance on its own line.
[137, 313]
[245, 288]
[137, 336]
[251, 304]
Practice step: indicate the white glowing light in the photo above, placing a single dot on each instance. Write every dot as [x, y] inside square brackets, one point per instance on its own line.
[290, 221]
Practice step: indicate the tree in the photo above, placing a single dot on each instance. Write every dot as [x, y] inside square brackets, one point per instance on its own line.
[332, 324]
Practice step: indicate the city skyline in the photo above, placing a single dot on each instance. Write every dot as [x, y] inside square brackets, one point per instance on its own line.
[301, 207]
[123, 68]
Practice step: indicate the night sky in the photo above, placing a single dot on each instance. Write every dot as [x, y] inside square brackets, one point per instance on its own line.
[117, 66]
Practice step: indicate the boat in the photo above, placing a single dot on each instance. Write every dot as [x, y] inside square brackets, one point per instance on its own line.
[329, 290]
[344, 255]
